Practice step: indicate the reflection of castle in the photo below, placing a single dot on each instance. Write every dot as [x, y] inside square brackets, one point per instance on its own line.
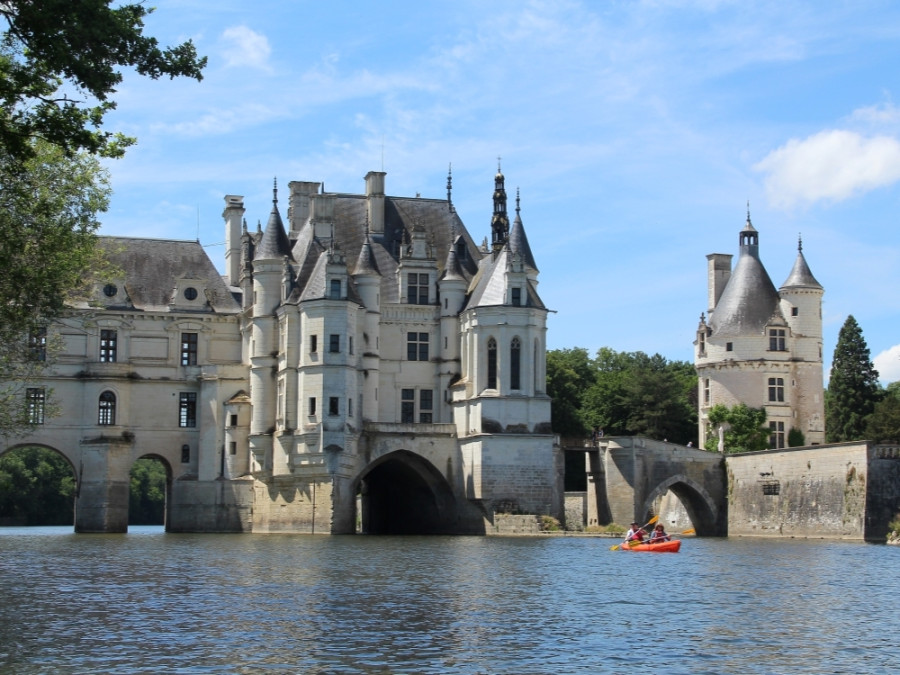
[370, 353]
[761, 346]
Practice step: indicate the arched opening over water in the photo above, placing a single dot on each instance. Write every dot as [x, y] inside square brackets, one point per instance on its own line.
[38, 486]
[150, 490]
[402, 493]
[683, 504]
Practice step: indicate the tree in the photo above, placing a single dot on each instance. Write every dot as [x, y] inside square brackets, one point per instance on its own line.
[37, 487]
[61, 60]
[147, 498]
[48, 220]
[744, 428]
[883, 425]
[795, 438]
[569, 374]
[853, 388]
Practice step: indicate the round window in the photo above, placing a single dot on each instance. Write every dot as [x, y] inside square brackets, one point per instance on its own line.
[190, 293]
[110, 290]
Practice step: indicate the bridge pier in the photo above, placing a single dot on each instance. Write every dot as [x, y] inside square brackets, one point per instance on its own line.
[101, 503]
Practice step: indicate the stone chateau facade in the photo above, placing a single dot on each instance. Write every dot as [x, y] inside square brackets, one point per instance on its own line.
[760, 345]
[363, 365]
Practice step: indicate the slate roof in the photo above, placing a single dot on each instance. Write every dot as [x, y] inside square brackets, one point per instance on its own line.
[151, 268]
[274, 244]
[518, 243]
[489, 286]
[800, 276]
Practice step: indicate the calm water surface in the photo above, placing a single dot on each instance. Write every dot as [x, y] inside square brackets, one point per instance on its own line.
[150, 602]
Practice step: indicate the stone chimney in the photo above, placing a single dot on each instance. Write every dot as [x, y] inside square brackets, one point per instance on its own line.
[298, 204]
[234, 218]
[321, 215]
[718, 272]
[375, 201]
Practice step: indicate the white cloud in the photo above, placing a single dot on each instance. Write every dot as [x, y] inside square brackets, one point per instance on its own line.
[887, 363]
[877, 115]
[244, 47]
[829, 166]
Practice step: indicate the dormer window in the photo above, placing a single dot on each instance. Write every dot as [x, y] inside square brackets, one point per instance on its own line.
[417, 288]
[776, 340]
[190, 293]
[335, 292]
[516, 297]
[110, 290]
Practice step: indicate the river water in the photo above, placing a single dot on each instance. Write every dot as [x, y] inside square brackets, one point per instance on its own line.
[151, 602]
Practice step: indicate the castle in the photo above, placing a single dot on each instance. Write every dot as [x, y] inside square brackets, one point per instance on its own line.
[761, 346]
[364, 367]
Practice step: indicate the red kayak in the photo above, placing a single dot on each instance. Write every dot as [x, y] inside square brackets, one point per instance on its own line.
[661, 547]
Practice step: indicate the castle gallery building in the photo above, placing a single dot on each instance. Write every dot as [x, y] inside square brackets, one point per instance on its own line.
[361, 366]
[761, 346]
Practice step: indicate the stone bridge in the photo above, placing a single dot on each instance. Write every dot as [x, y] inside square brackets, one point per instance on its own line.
[627, 478]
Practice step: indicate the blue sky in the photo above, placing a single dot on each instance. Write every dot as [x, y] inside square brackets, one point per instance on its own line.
[636, 131]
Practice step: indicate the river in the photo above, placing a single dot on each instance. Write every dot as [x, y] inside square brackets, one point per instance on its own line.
[151, 602]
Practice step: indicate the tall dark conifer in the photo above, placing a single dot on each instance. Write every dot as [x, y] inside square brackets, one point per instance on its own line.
[853, 387]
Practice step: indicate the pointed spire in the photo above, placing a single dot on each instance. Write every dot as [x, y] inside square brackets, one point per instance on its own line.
[452, 268]
[450, 187]
[274, 243]
[800, 242]
[499, 221]
[517, 201]
[365, 263]
[801, 276]
[518, 242]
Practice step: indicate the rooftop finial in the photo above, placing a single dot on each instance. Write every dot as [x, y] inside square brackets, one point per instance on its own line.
[800, 242]
[517, 200]
[748, 213]
[275, 190]
[498, 164]
[367, 224]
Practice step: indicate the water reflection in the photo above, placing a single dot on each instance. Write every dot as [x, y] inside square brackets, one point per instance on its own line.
[155, 602]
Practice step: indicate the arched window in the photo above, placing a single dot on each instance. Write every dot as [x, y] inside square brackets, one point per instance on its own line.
[107, 410]
[492, 364]
[515, 361]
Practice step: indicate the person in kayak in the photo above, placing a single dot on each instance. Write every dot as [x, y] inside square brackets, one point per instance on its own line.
[659, 534]
[635, 533]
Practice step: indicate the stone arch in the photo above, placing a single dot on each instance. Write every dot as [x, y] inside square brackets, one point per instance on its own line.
[167, 465]
[76, 475]
[701, 507]
[403, 493]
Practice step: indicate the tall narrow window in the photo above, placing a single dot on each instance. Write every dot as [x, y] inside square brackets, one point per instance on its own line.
[776, 434]
[701, 341]
[776, 340]
[417, 346]
[313, 344]
[106, 415]
[37, 344]
[185, 454]
[776, 389]
[492, 364]
[109, 342]
[189, 349]
[426, 406]
[34, 400]
[335, 292]
[333, 406]
[417, 288]
[334, 343]
[706, 397]
[187, 409]
[312, 406]
[408, 406]
[516, 297]
[515, 354]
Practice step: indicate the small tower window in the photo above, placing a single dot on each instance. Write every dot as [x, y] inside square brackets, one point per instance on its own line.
[776, 389]
[107, 409]
[334, 343]
[515, 352]
[335, 293]
[776, 339]
[776, 435]
[492, 364]
[795, 311]
[729, 346]
[517, 297]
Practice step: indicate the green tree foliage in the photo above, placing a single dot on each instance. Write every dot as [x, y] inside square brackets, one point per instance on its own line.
[639, 395]
[147, 498]
[60, 61]
[795, 438]
[48, 220]
[745, 429]
[883, 425]
[37, 487]
[569, 374]
[853, 388]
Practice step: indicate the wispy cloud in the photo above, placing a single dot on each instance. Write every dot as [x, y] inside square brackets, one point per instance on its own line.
[829, 166]
[243, 47]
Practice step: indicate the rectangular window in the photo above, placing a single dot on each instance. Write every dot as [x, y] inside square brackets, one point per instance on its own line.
[701, 342]
[417, 346]
[417, 288]
[35, 399]
[185, 454]
[706, 391]
[233, 420]
[108, 345]
[334, 343]
[795, 311]
[232, 447]
[313, 344]
[335, 293]
[776, 340]
[426, 399]
[187, 409]
[729, 346]
[776, 435]
[350, 407]
[312, 406]
[350, 344]
[516, 297]
[776, 389]
[37, 344]
[333, 408]
[189, 349]
[408, 406]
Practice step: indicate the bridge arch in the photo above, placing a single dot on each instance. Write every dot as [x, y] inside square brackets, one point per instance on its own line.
[167, 495]
[699, 504]
[53, 500]
[403, 493]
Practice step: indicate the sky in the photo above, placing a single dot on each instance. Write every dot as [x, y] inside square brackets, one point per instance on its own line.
[638, 134]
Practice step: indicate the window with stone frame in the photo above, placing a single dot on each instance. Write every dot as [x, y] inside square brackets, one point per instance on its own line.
[776, 435]
[515, 362]
[333, 406]
[37, 344]
[417, 346]
[106, 413]
[417, 288]
[777, 340]
[35, 400]
[492, 364]
[516, 299]
[407, 406]
[410, 413]
[187, 409]
[334, 343]
[776, 389]
[189, 349]
[335, 289]
[109, 345]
